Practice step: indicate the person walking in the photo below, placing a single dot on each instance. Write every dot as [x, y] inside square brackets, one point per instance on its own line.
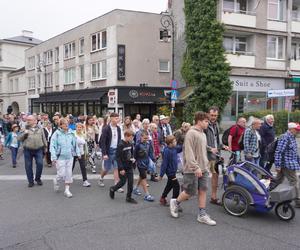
[169, 167]
[235, 138]
[91, 137]
[63, 148]
[81, 142]
[267, 134]
[34, 144]
[13, 144]
[48, 131]
[287, 160]
[126, 161]
[196, 167]
[252, 142]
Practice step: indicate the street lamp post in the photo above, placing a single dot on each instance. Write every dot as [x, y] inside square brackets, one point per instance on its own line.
[42, 64]
[167, 23]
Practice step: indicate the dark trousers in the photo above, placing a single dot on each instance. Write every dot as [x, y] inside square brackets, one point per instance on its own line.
[14, 153]
[29, 155]
[82, 164]
[127, 176]
[171, 184]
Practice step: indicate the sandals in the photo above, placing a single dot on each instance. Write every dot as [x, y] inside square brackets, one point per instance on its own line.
[215, 202]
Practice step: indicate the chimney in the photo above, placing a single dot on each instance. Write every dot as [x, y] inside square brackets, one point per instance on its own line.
[27, 33]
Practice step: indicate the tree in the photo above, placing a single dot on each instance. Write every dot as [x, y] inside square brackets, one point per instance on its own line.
[204, 65]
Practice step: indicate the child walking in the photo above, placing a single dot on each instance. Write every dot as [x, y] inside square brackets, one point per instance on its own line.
[143, 154]
[63, 148]
[169, 167]
[125, 166]
[13, 144]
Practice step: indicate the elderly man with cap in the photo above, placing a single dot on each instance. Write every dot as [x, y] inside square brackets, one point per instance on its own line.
[287, 160]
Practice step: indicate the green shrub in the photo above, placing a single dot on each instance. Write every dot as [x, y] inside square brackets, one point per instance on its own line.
[281, 118]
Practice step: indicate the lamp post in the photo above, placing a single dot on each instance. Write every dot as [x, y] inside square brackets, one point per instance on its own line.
[42, 64]
[167, 23]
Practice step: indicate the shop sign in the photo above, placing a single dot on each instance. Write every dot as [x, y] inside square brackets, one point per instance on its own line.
[121, 62]
[256, 84]
[280, 93]
[112, 97]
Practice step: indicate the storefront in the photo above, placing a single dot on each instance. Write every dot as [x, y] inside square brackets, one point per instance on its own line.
[130, 101]
[250, 94]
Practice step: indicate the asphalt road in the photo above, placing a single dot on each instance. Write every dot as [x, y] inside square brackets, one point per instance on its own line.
[40, 219]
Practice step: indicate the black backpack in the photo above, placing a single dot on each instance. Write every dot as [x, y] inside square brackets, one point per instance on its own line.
[226, 135]
[270, 150]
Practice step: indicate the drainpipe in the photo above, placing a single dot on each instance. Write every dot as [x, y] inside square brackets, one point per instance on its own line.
[289, 36]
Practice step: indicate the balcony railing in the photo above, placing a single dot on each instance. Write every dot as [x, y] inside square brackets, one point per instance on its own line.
[251, 13]
[244, 53]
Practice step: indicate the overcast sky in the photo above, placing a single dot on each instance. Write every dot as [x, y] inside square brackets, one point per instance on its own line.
[47, 18]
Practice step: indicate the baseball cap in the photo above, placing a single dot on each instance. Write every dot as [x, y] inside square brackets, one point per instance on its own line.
[294, 125]
[161, 117]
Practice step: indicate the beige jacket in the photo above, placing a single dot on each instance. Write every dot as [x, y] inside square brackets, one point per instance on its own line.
[34, 138]
[195, 151]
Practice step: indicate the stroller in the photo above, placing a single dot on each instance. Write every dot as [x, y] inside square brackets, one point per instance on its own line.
[247, 184]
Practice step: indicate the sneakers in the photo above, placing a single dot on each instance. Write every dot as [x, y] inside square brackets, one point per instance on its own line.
[131, 200]
[173, 208]
[86, 184]
[55, 185]
[111, 193]
[68, 194]
[136, 191]
[1, 157]
[14, 166]
[100, 182]
[163, 201]
[30, 184]
[149, 197]
[39, 182]
[120, 190]
[94, 170]
[206, 220]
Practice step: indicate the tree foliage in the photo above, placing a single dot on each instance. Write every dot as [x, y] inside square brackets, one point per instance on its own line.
[204, 65]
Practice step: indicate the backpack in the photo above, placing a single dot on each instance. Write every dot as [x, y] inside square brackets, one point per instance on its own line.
[226, 135]
[270, 150]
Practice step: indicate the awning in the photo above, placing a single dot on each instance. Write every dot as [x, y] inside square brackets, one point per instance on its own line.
[185, 93]
[72, 96]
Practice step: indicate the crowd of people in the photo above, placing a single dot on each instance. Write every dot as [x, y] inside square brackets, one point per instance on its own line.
[153, 148]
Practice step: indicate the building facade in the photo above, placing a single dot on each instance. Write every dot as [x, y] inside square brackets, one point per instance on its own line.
[262, 44]
[12, 72]
[120, 53]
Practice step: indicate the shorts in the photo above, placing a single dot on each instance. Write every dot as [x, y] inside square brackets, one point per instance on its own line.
[111, 163]
[143, 173]
[213, 167]
[191, 183]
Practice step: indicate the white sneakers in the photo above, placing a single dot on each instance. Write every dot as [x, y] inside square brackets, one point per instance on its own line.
[206, 220]
[100, 182]
[173, 208]
[55, 185]
[120, 190]
[86, 184]
[67, 193]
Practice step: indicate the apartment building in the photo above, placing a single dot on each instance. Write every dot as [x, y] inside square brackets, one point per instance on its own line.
[262, 44]
[12, 72]
[116, 62]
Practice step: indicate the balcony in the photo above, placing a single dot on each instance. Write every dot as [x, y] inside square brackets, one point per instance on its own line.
[276, 64]
[277, 25]
[239, 18]
[244, 60]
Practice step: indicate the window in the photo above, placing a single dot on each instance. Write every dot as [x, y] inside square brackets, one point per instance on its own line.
[81, 71]
[31, 62]
[31, 83]
[16, 87]
[99, 41]
[296, 13]
[56, 54]
[277, 10]
[48, 57]
[235, 44]
[99, 70]
[49, 80]
[239, 6]
[69, 50]
[164, 66]
[81, 46]
[295, 53]
[276, 47]
[69, 75]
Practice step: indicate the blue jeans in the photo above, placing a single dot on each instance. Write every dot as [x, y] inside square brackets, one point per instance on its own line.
[14, 153]
[37, 154]
[111, 163]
